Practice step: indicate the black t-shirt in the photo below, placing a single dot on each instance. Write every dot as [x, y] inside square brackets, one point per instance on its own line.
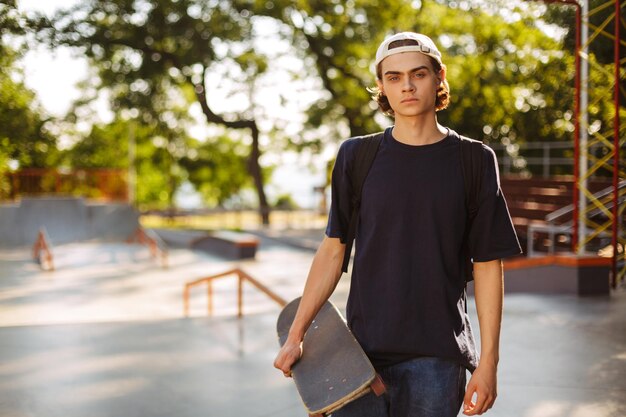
[407, 295]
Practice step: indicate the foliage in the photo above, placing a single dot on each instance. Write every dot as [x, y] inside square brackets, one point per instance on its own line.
[600, 11]
[163, 160]
[337, 41]
[217, 169]
[285, 202]
[601, 110]
[154, 54]
[500, 74]
[107, 146]
[24, 139]
[510, 81]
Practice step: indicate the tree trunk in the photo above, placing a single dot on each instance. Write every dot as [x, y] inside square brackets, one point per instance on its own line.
[255, 170]
[253, 161]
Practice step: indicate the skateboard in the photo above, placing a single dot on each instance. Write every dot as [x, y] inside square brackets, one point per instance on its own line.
[333, 369]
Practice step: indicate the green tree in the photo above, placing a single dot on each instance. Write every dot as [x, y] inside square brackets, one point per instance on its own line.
[105, 146]
[337, 41]
[145, 50]
[23, 134]
[217, 169]
[25, 142]
[163, 160]
[601, 110]
[602, 14]
[510, 82]
[158, 174]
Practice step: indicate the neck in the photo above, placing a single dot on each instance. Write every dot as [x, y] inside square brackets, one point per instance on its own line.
[418, 130]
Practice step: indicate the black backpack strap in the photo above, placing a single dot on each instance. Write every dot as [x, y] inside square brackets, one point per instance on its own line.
[472, 158]
[473, 167]
[365, 154]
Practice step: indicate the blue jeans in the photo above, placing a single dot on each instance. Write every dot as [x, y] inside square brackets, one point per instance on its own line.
[421, 387]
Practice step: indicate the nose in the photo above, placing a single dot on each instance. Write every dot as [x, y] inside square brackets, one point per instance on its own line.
[408, 85]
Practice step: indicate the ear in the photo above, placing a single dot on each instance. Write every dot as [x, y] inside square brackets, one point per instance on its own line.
[442, 74]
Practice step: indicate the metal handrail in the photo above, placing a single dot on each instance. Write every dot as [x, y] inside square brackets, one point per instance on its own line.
[546, 160]
[566, 227]
[241, 277]
[42, 250]
[570, 207]
[158, 248]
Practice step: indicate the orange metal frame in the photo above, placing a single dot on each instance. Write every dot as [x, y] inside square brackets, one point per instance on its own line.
[612, 148]
[108, 184]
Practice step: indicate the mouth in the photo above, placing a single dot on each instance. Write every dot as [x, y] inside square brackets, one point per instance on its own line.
[409, 100]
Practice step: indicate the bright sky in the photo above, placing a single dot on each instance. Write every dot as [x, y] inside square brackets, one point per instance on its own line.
[52, 75]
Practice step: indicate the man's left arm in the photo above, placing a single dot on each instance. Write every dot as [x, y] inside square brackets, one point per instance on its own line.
[489, 294]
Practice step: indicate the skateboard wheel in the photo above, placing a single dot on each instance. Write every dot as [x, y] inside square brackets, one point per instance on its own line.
[378, 386]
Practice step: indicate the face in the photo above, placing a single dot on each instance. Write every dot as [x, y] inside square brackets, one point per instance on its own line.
[410, 83]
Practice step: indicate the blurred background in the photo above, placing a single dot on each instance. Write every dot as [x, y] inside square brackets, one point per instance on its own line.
[173, 123]
[242, 104]
[186, 109]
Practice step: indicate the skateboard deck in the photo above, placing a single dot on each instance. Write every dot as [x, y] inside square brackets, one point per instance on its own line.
[333, 369]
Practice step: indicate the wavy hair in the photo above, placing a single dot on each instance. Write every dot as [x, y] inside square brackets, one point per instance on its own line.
[443, 91]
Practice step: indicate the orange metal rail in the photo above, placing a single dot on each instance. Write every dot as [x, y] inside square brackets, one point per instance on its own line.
[241, 277]
[156, 246]
[42, 250]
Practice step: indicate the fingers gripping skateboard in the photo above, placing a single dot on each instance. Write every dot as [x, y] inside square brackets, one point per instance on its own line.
[333, 369]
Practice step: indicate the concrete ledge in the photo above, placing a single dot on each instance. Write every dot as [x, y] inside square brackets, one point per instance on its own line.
[561, 274]
[228, 244]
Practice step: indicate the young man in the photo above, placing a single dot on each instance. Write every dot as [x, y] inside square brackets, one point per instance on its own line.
[406, 305]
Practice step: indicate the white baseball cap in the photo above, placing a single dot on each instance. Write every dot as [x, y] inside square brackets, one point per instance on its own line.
[424, 45]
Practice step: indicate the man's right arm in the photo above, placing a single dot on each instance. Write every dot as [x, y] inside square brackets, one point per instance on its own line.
[323, 278]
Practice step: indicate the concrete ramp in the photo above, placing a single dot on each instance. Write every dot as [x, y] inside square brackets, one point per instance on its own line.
[112, 221]
[66, 220]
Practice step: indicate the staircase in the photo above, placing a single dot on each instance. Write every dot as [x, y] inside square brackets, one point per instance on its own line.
[532, 199]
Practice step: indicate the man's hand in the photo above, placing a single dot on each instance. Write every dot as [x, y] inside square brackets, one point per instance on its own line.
[320, 284]
[484, 383]
[489, 294]
[289, 354]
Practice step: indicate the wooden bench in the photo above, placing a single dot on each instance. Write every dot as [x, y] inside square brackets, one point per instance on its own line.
[232, 245]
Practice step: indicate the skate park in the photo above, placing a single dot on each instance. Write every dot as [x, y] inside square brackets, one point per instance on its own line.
[116, 301]
[105, 333]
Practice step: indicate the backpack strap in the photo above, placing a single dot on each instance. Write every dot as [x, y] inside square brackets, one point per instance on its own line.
[366, 151]
[473, 168]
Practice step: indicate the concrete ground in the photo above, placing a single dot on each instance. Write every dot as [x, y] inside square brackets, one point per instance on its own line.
[104, 335]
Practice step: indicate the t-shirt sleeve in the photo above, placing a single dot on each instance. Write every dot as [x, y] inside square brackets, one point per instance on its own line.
[341, 194]
[492, 235]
